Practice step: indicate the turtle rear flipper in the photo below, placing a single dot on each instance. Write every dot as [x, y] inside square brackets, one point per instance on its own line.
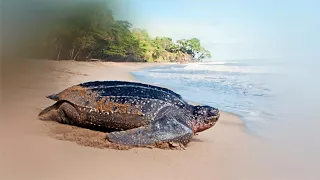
[164, 130]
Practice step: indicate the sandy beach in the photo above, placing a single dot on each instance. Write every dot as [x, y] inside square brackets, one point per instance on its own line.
[33, 149]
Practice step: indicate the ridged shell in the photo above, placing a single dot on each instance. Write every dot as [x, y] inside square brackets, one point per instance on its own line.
[92, 94]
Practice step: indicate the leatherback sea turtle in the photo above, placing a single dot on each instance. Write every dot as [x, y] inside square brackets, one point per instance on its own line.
[140, 114]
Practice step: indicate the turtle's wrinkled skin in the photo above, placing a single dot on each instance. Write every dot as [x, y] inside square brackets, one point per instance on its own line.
[140, 114]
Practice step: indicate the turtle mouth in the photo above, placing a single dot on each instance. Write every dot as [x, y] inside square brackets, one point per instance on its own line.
[202, 126]
[205, 124]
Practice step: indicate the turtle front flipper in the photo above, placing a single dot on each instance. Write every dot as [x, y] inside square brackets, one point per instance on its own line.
[167, 129]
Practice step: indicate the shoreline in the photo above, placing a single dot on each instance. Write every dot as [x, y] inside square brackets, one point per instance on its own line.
[48, 150]
[240, 121]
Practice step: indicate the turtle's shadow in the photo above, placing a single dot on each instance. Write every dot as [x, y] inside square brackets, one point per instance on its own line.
[196, 140]
[94, 128]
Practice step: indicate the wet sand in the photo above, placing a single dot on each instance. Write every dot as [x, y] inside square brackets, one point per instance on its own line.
[34, 149]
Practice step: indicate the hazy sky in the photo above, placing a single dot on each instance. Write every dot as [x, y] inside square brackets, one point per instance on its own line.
[234, 29]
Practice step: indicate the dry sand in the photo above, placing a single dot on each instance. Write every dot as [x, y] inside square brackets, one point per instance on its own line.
[33, 149]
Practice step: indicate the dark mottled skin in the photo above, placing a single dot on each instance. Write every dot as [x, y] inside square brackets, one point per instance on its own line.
[142, 114]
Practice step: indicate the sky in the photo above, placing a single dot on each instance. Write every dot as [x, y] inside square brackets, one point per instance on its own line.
[247, 29]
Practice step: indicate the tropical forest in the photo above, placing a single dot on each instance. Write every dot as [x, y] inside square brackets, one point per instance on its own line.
[90, 31]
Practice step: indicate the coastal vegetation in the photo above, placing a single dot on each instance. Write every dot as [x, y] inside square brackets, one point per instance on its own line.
[90, 31]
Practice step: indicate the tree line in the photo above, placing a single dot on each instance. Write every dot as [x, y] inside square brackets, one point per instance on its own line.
[90, 31]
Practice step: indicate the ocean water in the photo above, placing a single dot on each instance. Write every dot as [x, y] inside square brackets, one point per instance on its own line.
[278, 101]
[245, 88]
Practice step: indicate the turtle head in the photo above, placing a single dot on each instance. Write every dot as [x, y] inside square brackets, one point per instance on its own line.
[204, 117]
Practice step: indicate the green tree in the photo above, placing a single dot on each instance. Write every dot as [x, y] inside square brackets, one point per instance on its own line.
[89, 30]
[193, 47]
